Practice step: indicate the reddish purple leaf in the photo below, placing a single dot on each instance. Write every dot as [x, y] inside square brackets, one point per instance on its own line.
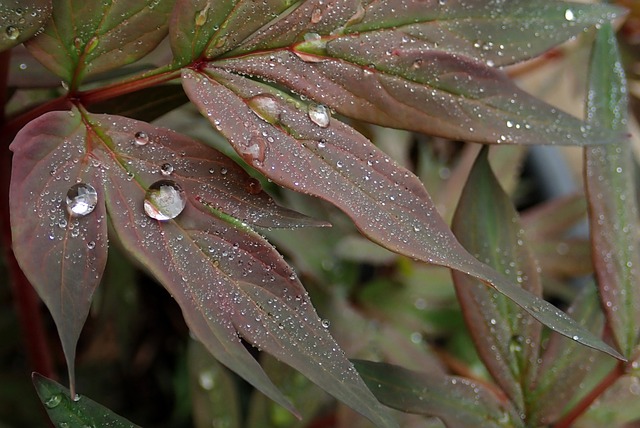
[87, 37]
[613, 210]
[298, 145]
[21, 19]
[506, 338]
[192, 235]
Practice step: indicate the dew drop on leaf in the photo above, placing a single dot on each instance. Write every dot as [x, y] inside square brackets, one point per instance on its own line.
[166, 169]
[569, 15]
[81, 199]
[12, 32]
[253, 186]
[141, 138]
[164, 200]
[53, 401]
[319, 115]
[326, 323]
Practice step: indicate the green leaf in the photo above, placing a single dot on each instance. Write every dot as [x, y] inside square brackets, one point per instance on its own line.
[613, 210]
[564, 363]
[21, 19]
[506, 337]
[300, 146]
[78, 412]
[89, 37]
[457, 401]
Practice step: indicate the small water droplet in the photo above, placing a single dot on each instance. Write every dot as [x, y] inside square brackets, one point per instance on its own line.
[319, 115]
[253, 186]
[12, 32]
[326, 323]
[91, 245]
[53, 401]
[164, 200]
[316, 16]
[569, 15]
[141, 138]
[166, 169]
[81, 199]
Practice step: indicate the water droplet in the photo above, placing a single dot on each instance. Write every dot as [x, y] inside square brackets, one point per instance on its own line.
[326, 323]
[53, 401]
[12, 32]
[569, 15]
[253, 186]
[254, 151]
[81, 199]
[91, 245]
[316, 16]
[166, 169]
[319, 115]
[164, 200]
[201, 18]
[141, 138]
[266, 107]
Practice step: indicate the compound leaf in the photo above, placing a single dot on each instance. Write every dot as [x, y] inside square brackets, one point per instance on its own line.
[506, 337]
[613, 210]
[88, 37]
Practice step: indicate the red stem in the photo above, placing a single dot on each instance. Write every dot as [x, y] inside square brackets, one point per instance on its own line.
[25, 300]
[567, 420]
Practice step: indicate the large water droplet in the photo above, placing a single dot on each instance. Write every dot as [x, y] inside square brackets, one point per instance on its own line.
[12, 32]
[319, 115]
[141, 138]
[81, 199]
[53, 401]
[164, 200]
[266, 107]
[569, 15]
[166, 169]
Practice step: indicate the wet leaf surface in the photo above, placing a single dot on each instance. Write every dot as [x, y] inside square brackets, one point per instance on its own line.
[78, 412]
[613, 210]
[183, 211]
[85, 37]
[300, 146]
[458, 402]
[506, 337]
[21, 19]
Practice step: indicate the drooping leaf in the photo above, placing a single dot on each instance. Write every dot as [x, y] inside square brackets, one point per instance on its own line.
[457, 401]
[184, 211]
[564, 366]
[613, 211]
[62, 253]
[300, 146]
[88, 37]
[21, 19]
[77, 412]
[506, 337]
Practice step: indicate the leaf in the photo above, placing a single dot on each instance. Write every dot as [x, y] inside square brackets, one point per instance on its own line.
[555, 217]
[506, 338]
[79, 412]
[564, 366]
[21, 19]
[228, 281]
[88, 37]
[62, 255]
[613, 210]
[299, 146]
[458, 402]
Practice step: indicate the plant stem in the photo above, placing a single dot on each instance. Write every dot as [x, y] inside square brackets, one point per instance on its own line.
[25, 300]
[567, 420]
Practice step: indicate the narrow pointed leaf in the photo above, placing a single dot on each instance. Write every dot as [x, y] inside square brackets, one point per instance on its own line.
[86, 37]
[458, 402]
[78, 412]
[21, 19]
[613, 211]
[298, 145]
[506, 337]
[555, 217]
[62, 255]
[564, 366]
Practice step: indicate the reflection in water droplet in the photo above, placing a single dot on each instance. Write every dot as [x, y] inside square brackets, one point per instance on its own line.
[164, 200]
[319, 115]
[253, 152]
[53, 401]
[253, 186]
[166, 169]
[81, 199]
[91, 245]
[266, 107]
[141, 138]
[12, 32]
